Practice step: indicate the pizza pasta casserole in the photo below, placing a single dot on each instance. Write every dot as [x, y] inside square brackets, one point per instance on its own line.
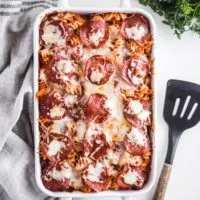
[95, 101]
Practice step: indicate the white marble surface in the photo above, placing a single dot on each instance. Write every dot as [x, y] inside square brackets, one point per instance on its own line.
[175, 59]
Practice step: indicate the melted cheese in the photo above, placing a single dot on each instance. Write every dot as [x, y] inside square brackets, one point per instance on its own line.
[54, 147]
[57, 111]
[65, 66]
[76, 180]
[108, 90]
[127, 158]
[63, 53]
[135, 80]
[136, 137]
[134, 107]
[70, 100]
[61, 175]
[136, 160]
[115, 125]
[94, 172]
[110, 159]
[96, 76]
[95, 38]
[113, 156]
[57, 95]
[94, 129]
[115, 106]
[131, 177]
[81, 129]
[124, 85]
[52, 35]
[89, 88]
[137, 65]
[87, 53]
[68, 173]
[75, 50]
[42, 75]
[135, 32]
[59, 126]
[73, 85]
[114, 33]
[114, 128]
[123, 130]
[143, 116]
[121, 51]
[107, 130]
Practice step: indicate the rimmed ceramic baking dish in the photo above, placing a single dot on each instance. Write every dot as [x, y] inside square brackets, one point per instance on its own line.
[125, 8]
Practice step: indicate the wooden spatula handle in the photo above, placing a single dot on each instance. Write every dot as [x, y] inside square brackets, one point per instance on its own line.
[162, 183]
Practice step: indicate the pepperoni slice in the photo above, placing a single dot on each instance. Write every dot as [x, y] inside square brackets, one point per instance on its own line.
[57, 177]
[135, 27]
[60, 69]
[63, 71]
[96, 177]
[96, 146]
[138, 112]
[94, 34]
[56, 106]
[135, 69]
[56, 147]
[95, 110]
[54, 33]
[137, 141]
[52, 106]
[98, 69]
[131, 177]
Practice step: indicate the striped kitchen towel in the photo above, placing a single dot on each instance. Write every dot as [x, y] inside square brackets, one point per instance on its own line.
[16, 7]
[17, 180]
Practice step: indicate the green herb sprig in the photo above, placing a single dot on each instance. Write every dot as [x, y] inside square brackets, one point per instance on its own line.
[180, 15]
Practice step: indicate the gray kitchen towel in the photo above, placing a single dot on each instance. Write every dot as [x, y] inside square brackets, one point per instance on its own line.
[17, 180]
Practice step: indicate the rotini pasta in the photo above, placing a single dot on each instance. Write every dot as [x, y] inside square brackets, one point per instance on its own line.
[95, 101]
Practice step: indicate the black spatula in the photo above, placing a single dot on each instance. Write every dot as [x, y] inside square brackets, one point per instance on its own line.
[181, 111]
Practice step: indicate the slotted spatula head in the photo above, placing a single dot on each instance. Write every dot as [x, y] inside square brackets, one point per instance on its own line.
[181, 111]
[182, 104]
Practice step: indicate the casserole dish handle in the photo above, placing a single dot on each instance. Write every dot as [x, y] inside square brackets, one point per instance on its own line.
[123, 3]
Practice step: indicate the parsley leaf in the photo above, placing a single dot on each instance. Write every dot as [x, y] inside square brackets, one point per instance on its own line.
[180, 15]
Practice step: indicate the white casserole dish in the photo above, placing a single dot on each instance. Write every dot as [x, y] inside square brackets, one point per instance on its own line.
[126, 9]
